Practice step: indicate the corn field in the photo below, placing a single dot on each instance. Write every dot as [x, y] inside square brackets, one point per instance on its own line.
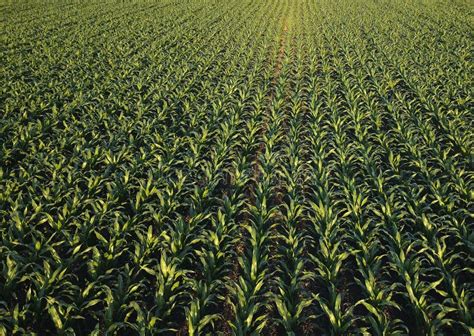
[210, 167]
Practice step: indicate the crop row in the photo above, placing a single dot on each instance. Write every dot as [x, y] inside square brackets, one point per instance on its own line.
[239, 167]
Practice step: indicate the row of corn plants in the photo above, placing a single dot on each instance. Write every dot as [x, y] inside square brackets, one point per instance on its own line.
[210, 167]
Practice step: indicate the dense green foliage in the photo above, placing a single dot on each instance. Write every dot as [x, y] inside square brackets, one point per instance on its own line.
[236, 167]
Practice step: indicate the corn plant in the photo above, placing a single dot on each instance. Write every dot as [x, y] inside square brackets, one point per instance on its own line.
[236, 167]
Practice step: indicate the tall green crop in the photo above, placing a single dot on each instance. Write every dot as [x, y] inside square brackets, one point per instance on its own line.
[236, 167]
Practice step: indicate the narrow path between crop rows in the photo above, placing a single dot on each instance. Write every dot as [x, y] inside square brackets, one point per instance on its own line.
[256, 172]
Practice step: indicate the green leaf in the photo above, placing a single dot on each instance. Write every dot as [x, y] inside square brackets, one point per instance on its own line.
[53, 313]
